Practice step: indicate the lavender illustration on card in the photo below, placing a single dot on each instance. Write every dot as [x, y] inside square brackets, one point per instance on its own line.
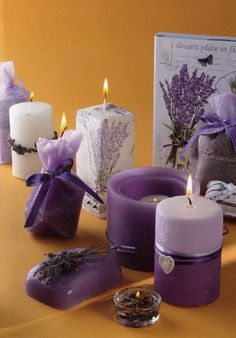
[185, 98]
[107, 143]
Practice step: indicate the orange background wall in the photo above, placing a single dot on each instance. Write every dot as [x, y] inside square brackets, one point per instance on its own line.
[63, 49]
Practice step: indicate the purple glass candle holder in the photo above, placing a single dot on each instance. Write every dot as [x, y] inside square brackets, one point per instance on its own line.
[131, 222]
[137, 307]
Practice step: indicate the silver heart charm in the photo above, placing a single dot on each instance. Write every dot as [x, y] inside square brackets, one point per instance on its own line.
[167, 263]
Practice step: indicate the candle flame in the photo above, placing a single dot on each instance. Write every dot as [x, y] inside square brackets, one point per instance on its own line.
[31, 96]
[63, 124]
[137, 295]
[189, 190]
[105, 90]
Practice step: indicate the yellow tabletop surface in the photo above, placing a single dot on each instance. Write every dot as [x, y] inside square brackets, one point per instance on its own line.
[22, 316]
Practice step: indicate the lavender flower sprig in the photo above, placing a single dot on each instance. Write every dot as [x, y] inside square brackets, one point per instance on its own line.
[107, 142]
[61, 262]
[185, 97]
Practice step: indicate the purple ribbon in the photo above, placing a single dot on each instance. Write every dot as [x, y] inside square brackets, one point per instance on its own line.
[213, 125]
[189, 259]
[129, 249]
[45, 179]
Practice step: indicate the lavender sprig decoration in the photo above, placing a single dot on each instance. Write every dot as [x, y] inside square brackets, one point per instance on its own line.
[107, 142]
[61, 262]
[185, 97]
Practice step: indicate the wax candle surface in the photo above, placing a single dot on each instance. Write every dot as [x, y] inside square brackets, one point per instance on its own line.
[28, 122]
[84, 280]
[107, 148]
[157, 198]
[186, 229]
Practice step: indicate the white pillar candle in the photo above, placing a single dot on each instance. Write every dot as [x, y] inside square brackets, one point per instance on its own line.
[28, 122]
[185, 229]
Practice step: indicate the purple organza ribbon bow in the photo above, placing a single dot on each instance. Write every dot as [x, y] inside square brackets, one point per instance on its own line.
[192, 260]
[213, 125]
[45, 179]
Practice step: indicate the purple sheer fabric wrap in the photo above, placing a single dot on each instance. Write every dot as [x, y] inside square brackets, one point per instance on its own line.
[59, 213]
[10, 93]
[217, 149]
[223, 119]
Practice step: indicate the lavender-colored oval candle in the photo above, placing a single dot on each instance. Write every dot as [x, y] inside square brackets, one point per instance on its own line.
[64, 280]
[188, 250]
[131, 222]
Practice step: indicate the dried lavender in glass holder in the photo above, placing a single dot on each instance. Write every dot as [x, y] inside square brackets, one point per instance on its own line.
[137, 307]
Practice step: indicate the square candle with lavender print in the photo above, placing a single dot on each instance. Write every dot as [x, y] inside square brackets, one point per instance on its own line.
[107, 148]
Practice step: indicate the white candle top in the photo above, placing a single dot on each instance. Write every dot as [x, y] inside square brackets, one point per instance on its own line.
[26, 108]
[189, 230]
[100, 113]
[29, 121]
[178, 207]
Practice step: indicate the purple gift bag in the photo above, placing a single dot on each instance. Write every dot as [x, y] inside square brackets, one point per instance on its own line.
[217, 147]
[217, 142]
[10, 93]
[55, 203]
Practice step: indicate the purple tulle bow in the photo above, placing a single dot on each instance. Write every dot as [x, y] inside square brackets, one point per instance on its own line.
[214, 125]
[45, 179]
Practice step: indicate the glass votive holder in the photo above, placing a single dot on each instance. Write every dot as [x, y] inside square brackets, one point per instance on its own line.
[137, 307]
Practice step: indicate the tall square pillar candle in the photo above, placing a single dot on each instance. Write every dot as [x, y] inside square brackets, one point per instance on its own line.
[107, 148]
[28, 122]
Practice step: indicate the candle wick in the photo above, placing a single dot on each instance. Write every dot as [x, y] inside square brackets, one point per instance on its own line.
[190, 202]
[104, 101]
[31, 100]
[63, 131]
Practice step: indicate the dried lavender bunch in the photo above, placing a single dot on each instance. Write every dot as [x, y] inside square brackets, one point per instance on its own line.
[184, 99]
[107, 142]
[63, 261]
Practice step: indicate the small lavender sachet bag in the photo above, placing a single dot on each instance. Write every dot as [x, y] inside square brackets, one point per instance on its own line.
[217, 148]
[54, 205]
[217, 142]
[10, 93]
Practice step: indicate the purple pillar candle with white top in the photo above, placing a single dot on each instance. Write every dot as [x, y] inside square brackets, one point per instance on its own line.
[188, 245]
